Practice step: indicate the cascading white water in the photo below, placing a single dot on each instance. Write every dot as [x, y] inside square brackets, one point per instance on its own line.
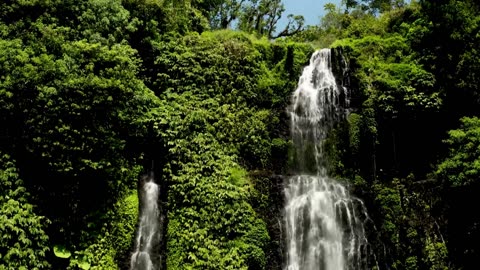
[324, 224]
[149, 227]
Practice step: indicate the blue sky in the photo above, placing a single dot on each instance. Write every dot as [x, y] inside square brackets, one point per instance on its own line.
[310, 9]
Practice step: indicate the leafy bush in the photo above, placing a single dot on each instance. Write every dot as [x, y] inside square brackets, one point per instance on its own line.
[108, 246]
[24, 243]
[462, 166]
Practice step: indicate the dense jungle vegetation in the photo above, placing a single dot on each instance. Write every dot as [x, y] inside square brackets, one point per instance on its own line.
[92, 92]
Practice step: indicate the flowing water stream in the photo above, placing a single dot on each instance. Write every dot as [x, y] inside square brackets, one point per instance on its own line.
[324, 223]
[148, 233]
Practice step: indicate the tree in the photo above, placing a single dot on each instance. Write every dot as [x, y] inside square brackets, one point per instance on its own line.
[450, 49]
[381, 6]
[349, 4]
[294, 26]
[223, 14]
[333, 20]
[261, 17]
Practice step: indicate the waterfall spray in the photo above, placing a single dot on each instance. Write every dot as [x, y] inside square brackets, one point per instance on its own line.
[148, 234]
[324, 224]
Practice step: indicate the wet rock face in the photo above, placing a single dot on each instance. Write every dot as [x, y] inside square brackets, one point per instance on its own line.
[343, 68]
[341, 72]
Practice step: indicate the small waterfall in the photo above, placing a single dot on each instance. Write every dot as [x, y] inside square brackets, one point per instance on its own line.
[148, 234]
[324, 224]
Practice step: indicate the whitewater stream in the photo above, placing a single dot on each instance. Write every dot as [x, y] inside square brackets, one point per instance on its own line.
[148, 232]
[324, 223]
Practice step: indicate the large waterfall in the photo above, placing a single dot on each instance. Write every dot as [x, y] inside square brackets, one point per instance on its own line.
[148, 234]
[324, 224]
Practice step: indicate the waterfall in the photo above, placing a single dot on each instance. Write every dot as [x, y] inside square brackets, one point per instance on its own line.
[148, 234]
[324, 224]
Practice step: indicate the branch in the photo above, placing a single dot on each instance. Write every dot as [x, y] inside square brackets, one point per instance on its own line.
[274, 19]
[291, 29]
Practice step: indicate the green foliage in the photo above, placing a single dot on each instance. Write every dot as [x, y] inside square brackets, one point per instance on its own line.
[87, 87]
[462, 166]
[209, 218]
[61, 252]
[280, 148]
[409, 222]
[217, 91]
[107, 246]
[261, 17]
[389, 198]
[222, 13]
[24, 243]
[354, 121]
[390, 86]
[412, 76]
[436, 254]
[222, 78]
[98, 77]
[393, 93]
[238, 177]
[392, 79]
[383, 5]
[72, 104]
